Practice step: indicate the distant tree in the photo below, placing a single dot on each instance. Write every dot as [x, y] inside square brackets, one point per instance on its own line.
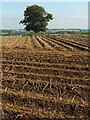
[36, 18]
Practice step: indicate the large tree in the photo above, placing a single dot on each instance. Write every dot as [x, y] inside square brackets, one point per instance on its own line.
[36, 18]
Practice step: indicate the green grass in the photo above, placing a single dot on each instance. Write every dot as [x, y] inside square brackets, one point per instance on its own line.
[3, 33]
[85, 33]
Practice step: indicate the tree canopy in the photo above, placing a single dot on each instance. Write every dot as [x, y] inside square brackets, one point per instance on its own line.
[36, 18]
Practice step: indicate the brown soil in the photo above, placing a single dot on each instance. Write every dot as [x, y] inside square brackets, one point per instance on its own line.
[40, 83]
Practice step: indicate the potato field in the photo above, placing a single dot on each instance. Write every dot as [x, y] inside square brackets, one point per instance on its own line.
[45, 77]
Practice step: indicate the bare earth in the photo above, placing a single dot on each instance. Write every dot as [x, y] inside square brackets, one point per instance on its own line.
[45, 77]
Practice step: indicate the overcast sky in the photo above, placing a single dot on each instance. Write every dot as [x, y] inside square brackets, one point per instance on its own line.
[66, 14]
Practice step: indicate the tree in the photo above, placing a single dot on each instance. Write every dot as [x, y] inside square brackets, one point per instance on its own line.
[36, 18]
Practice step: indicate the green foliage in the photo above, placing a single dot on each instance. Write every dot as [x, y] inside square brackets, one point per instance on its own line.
[34, 34]
[61, 32]
[87, 33]
[36, 18]
[11, 32]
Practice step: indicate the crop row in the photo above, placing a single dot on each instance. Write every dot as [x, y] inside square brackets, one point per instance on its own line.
[47, 58]
[36, 103]
[75, 38]
[46, 43]
[41, 80]
[61, 78]
[54, 44]
[59, 43]
[42, 70]
[70, 43]
[49, 88]
[45, 65]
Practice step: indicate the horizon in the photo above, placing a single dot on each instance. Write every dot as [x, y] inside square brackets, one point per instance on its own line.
[76, 18]
[51, 29]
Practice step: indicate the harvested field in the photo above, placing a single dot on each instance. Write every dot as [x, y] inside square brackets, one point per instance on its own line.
[45, 77]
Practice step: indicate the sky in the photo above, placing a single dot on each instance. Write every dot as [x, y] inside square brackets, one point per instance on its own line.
[66, 14]
[44, 0]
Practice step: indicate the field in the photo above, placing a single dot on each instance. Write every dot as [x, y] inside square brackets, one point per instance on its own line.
[45, 77]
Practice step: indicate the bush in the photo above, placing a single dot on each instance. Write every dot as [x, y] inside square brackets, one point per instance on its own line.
[34, 34]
